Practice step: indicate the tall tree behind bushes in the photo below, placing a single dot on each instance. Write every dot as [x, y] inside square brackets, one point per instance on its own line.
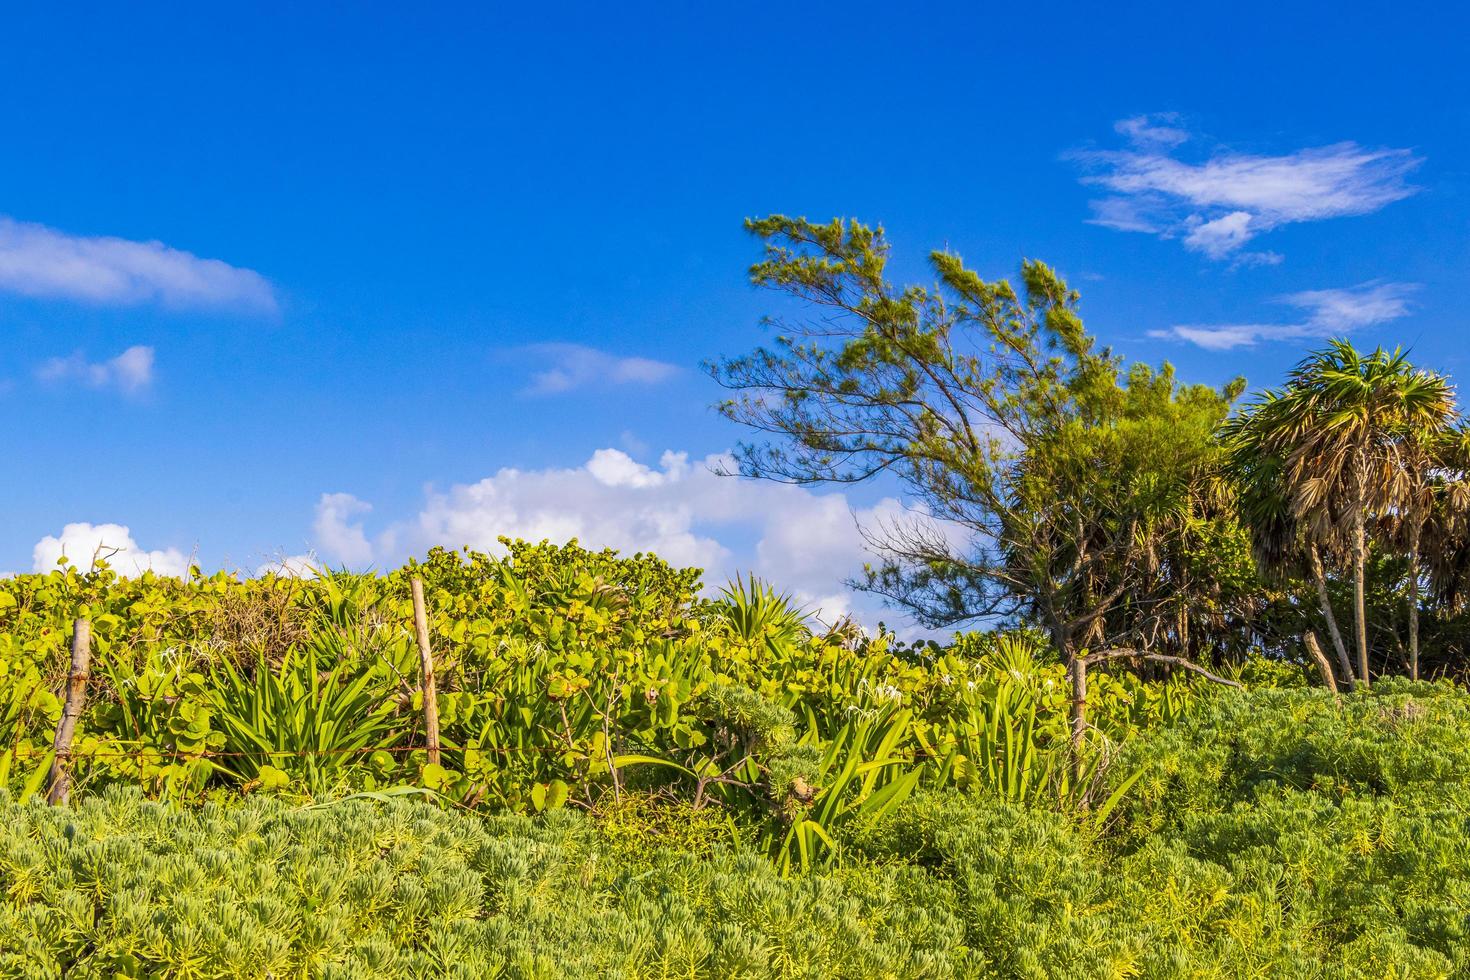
[1051, 481]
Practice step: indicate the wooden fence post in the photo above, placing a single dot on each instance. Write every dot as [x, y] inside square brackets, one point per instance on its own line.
[1078, 670]
[76, 699]
[426, 666]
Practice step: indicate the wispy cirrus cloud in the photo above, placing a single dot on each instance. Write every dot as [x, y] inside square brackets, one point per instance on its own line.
[572, 366]
[1326, 313]
[130, 372]
[42, 262]
[1156, 129]
[1218, 202]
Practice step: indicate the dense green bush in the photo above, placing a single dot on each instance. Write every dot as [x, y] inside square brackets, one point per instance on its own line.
[564, 676]
[121, 886]
[1275, 833]
[1247, 850]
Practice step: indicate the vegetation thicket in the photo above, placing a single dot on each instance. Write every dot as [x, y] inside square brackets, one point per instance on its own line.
[1130, 761]
[566, 676]
[1336, 851]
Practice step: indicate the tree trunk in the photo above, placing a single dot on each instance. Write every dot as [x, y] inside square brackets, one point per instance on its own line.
[1414, 532]
[1324, 667]
[1320, 577]
[1360, 588]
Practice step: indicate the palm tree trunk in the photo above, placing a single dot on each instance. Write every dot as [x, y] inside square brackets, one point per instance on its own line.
[1320, 578]
[1360, 588]
[1414, 532]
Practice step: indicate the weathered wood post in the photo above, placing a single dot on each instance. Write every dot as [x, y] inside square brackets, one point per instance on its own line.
[1078, 671]
[76, 699]
[426, 666]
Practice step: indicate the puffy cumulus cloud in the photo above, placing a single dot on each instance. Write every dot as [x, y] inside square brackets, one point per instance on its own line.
[611, 501]
[568, 367]
[337, 533]
[1219, 201]
[81, 541]
[130, 372]
[43, 262]
[680, 509]
[1325, 313]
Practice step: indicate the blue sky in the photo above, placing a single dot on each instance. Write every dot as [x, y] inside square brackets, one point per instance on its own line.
[277, 282]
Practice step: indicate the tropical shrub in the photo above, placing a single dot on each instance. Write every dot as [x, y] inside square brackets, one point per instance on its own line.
[565, 677]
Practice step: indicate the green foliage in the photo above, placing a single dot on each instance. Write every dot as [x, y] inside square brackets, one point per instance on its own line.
[765, 799]
[319, 716]
[1280, 832]
[120, 887]
[1077, 490]
[567, 678]
[1357, 450]
[635, 827]
[758, 616]
[1277, 833]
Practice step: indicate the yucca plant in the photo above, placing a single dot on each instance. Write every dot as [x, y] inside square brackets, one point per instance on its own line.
[1007, 736]
[759, 616]
[858, 776]
[998, 748]
[315, 717]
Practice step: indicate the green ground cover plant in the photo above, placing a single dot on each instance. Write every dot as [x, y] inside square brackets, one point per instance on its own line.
[1241, 853]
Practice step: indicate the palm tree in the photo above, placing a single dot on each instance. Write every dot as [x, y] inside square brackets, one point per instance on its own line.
[1281, 543]
[1434, 487]
[1346, 438]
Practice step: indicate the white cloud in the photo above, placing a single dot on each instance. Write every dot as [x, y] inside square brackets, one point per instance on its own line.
[1221, 236]
[1220, 203]
[680, 510]
[337, 534]
[573, 366]
[294, 566]
[81, 541]
[1328, 313]
[129, 372]
[43, 262]
[1226, 336]
[1155, 129]
[1364, 305]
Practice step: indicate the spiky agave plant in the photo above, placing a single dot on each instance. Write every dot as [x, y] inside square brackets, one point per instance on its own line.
[314, 717]
[759, 616]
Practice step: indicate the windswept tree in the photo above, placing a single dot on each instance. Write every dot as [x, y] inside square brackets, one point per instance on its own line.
[1347, 450]
[1047, 480]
